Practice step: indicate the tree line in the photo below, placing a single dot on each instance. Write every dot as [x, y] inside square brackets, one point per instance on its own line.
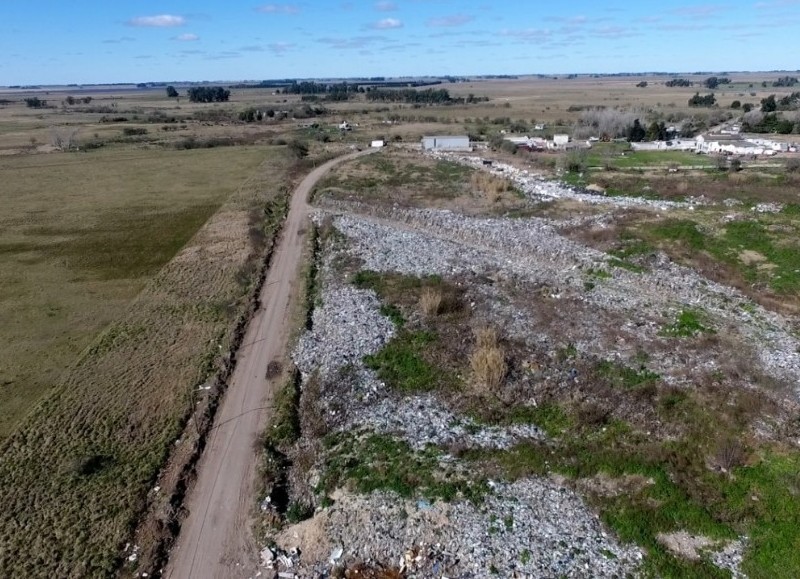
[208, 94]
[413, 96]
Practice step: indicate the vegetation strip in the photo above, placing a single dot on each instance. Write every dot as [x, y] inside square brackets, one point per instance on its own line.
[203, 416]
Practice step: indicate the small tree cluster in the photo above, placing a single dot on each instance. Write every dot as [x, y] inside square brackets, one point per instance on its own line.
[785, 81]
[251, 115]
[605, 123]
[35, 103]
[171, 92]
[682, 82]
[708, 100]
[713, 82]
[208, 94]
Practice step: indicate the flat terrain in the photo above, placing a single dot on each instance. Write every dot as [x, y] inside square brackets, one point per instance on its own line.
[80, 236]
[77, 470]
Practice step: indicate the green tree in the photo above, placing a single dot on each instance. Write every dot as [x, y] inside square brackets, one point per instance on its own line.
[35, 103]
[768, 105]
[208, 94]
[747, 107]
[171, 92]
[736, 104]
[636, 133]
[708, 100]
[657, 131]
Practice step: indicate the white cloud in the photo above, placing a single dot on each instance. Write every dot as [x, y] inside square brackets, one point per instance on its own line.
[448, 21]
[385, 6]
[158, 21]
[188, 37]
[278, 9]
[387, 23]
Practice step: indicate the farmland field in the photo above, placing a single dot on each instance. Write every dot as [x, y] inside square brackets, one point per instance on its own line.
[80, 235]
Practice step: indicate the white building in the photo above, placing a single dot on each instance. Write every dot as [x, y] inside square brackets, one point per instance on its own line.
[728, 145]
[676, 145]
[377, 144]
[561, 141]
[446, 143]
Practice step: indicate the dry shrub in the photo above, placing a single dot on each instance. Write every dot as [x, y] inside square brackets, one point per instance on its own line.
[485, 337]
[490, 185]
[488, 361]
[730, 454]
[430, 301]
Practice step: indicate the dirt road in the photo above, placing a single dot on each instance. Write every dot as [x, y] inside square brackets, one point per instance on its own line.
[215, 539]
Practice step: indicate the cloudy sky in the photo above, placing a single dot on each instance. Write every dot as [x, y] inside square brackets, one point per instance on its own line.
[93, 41]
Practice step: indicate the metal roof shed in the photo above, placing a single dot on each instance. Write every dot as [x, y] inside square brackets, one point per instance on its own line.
[446, 143]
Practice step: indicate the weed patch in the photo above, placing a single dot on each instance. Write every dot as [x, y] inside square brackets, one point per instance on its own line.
[621, 376]
[378, 462]
[401, 365]
[687, 324]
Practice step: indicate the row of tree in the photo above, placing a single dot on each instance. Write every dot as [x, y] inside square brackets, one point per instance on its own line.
[713, 82]
[655, 132]
[71, 100]
[786, 103]
[208, 94]
[681, 82]
[785, 81]
[757, 122]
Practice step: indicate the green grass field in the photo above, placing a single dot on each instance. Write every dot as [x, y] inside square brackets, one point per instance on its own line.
[80, 236]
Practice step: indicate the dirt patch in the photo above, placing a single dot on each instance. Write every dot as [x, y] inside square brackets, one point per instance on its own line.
[685, 545]
[607, 486]
[750, 257]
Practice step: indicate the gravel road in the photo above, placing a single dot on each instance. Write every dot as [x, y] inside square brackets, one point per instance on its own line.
[215, 539]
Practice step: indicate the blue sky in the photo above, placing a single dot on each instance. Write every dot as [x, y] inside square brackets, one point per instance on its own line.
[92, 41]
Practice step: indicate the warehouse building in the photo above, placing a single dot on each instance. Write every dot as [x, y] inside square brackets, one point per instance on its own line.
[446, 143]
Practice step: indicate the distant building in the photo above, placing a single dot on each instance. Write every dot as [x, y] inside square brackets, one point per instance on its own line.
[728, 144]
[377, 144]
[561, 141]
[446, 143]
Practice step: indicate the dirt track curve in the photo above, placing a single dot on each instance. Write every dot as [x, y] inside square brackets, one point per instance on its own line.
[215, 539]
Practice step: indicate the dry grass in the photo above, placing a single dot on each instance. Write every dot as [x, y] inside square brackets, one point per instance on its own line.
[490, 185]
[488, 362]
[77, 471]
[431, 300]
[80, 236]
[486, 337]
